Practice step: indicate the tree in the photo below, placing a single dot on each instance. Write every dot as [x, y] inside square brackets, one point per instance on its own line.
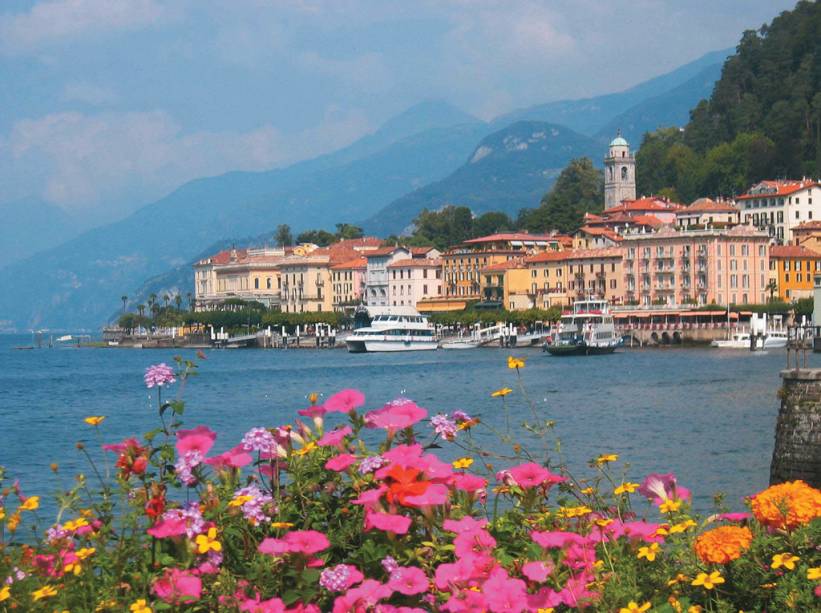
[317, 237]
[141, 309]
[578, 190]
[346, 231]
[448, 226]
[491, 223]
[772, 287]
[283, 236]
[177, 301]
[190, 297]
[166, 299]
[124, 298]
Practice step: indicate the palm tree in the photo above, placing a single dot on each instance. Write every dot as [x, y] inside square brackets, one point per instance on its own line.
[177, 301]
[141, 309]
[772, 287]
[166, 298]
[124, 298]
[190, 298]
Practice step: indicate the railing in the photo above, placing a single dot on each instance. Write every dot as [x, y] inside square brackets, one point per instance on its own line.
[799, 339]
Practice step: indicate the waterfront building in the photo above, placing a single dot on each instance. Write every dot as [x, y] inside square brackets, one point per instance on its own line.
[794, 267]
[411, 280]
[706, 212]
[595, 237]
[244, 274]
[306, 283]
[559, 278]
[779, 206]
[377, 290]
[701, 266]
[506, 285]
[652, 209]
[808, 235]
[348, 283]
[619, 173]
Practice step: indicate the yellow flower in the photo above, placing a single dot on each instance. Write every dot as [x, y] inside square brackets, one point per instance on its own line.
[462, 463]
[587, 491]
[73, 567]
[281, 524]
[313, 397]
[502, 392]
[603, 522]
[140, 606]
[106, 605]
[579, 511]
[13, 521]
[695, 608]
[47, 591]
[606, 458]
[31, 503]
[75, 524]
[240, 500]
[677, 579]
[626, 488]
[208, 542]
[682, 526]
[85, 552]
[5, 593]
[547, 610]
[2, 513]
[94, 420]
[787, 560]
[670, 506]
[708, 582]
[814, 574]
[634, 607]
[515, 362]
[306, 449]
[648, 552]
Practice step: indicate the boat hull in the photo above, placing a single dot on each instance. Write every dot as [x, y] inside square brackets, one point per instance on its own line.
[567, 350]
[376, 346]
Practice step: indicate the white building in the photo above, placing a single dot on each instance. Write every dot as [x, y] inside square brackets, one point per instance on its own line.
[780, 206]
[377, 290]
[619, 173]
[414, 279]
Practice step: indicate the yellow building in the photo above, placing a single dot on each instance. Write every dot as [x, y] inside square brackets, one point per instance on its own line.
[245, 274]
[794, 268]
[557, 279]
[306, 284]
[808, 235]
[507, 284]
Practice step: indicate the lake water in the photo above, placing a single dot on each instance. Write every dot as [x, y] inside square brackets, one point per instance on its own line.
[706, 415]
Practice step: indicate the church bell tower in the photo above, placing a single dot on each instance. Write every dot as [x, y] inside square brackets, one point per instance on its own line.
[619, 173]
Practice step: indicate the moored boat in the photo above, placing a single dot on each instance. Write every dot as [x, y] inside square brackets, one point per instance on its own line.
[586, 330]
[391, 329]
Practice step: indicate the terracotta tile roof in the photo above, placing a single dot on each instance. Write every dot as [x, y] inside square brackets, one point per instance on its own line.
[807, 226]
[575, 254]
[357, 263]
[793, 251]
[648, 220]
[601, 231]
[511, 236]
[707, 205]
[417, 251]
[778, 188]
[416, 263]
[382, 251]
[650, 203]
[548, 256]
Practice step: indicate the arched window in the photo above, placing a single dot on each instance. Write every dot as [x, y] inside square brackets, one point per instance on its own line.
[268, 283]
[256, 283]
[611, 172]
[624, 172]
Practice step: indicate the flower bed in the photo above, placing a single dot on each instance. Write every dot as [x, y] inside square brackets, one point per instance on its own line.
[309, 517]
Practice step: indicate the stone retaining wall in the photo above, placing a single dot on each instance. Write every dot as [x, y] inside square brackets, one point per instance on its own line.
[797, 452]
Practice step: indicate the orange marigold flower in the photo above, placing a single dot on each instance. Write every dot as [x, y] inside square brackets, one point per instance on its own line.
[787, 505]
[723, 545]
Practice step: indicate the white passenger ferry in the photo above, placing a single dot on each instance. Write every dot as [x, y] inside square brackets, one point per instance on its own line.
[587, 330]
[391, 329]
[760, 336]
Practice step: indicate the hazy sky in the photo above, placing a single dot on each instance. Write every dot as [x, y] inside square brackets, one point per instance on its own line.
[111, 103]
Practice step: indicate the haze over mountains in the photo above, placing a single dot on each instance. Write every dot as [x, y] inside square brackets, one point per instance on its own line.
[431, 155]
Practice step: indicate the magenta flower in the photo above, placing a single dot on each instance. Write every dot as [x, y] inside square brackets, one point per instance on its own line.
[471, 484]
[334, 438]
[340, 462]
[435, 495]
[660, 487]
[537, 571]
[370, 498]
[556, 539]
[503, 593]
[255, 605]
[340, 578]
[308, 542]
[387, 522]
[467, 544]
[396, 415]
[165, 528]
[362, 598]
[734, 517]
[409, 580]
[199, 439]
[466, 524]
[344, 401]
[533, 475]
[177, 587]
[233, 458]
[159, 375]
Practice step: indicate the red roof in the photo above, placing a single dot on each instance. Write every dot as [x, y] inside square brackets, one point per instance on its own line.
[807, 226]
[650, 203]
[416, 263]
[648, 220]
[778, 188]
[512, 236]
[793, 251]
[384, 251]
[358, 263]
[706, 205]
[575, 254]
[600, 231]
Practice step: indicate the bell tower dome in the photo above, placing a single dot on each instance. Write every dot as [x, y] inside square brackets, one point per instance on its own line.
[619, 173]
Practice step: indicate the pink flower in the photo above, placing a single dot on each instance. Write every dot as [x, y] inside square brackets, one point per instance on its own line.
[435, 495]
[255, 605]
[466, 601]
[575, 592]
[533, 475]
[466, 524]
[334, 438]
[159, 375]
[537, 571]
[398, 414]
[635, 530]
[363, 597]
[340, 578]
[199, 439]
[313, 411]
[308, 542]
[345, 401]
[387, 522]
[556, 539]
[274, 547]
[659, 487]
[738, 517]
[168, 527]
[233, 458]
[469, 483]
[409, 580]
[503, 594]
[340, 462]
[370, 498]
[475, 542]
[178, 587]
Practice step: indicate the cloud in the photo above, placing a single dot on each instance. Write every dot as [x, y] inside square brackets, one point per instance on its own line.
[89, 93]
[55, 21]
[84, 160]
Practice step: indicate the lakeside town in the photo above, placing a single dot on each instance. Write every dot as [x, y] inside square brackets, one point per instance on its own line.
[667, 270]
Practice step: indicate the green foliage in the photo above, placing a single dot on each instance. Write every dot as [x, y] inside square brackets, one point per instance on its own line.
[454, 224]
[472, 315]
[283, 236]
[578, 190]
[323, 238]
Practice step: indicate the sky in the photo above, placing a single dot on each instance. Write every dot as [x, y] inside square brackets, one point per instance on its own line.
[109, 104]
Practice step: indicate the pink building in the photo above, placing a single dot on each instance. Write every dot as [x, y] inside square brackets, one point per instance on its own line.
[412, 280]
[348, 283]
[675, 268]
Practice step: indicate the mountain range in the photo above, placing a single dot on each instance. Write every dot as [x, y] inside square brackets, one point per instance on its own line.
[430, 155]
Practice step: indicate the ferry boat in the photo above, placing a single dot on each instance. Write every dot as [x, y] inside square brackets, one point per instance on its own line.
[586, 330]
[391, 329]
[763, 335]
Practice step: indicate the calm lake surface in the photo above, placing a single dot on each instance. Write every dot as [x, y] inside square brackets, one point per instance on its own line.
[706, 415]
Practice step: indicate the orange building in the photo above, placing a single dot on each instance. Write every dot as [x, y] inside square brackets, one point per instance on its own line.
[794, 267]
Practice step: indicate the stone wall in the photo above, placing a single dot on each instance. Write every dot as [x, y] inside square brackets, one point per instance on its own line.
[797, 453]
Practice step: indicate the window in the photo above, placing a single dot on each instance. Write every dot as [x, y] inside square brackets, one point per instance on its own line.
[745, 250]
[256, 283]
[780, 217]
[268, 283]
[787, 280]
[732, 250]
[797, 213]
